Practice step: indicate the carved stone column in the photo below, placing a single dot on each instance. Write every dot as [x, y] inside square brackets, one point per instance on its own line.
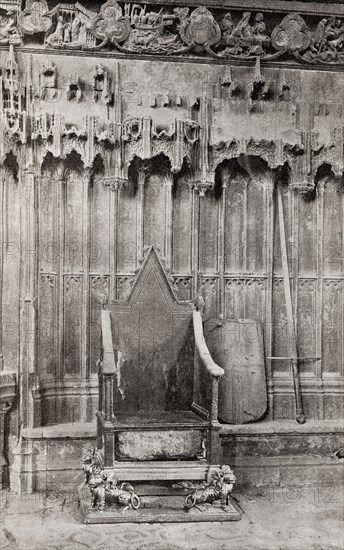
[168, 180]
[270, 186]
[28, 314]
[2, 217]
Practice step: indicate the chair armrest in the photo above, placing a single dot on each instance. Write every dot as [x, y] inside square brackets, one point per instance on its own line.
[108, 359]
[202, 348]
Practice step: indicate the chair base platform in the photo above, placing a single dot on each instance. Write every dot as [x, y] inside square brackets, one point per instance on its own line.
[163, 470]
[157, 508]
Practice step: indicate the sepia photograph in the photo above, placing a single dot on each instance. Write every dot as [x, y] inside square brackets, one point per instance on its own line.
[172, 275]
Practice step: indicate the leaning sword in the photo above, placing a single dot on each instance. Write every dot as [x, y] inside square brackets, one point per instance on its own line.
[300, 417]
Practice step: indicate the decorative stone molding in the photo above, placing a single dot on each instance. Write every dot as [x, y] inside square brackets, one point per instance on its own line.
[203, 185]
[116, 183]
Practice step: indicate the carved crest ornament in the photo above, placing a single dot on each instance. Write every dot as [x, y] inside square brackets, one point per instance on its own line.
[141, 28]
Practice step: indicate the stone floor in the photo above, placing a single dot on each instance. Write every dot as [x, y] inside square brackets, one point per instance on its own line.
[274, 519]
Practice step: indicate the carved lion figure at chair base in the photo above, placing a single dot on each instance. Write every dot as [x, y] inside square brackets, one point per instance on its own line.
[219, 488]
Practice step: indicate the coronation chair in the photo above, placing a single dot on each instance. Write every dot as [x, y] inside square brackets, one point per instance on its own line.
[158, 385]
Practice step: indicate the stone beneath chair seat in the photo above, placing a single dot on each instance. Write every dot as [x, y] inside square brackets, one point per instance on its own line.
[158, 445]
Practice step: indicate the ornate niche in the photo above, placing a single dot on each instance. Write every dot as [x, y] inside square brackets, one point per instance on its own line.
[13, 116]
[101, 84]
[48, 81]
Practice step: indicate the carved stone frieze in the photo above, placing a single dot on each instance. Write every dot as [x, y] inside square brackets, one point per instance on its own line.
[201, 31]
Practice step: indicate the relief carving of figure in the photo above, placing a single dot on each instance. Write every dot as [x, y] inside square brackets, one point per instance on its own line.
[327, 43]
[9, 33]
[70, 27]
[244, 38]
[57, 36]
[150, 31]
[76, 25]
[101, 84]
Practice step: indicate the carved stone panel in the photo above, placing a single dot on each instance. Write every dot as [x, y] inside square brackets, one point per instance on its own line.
[183, 285]
[256, 228]
[333, 228]
[72, 325]
[208, 233]
[99, 297]
[182, 227]
[307, 237]
[154, 211]
[255, 297]
[74, 189]
[291, 252]
[49, 223]
[209, 291]
[48, 329]
[332, 339]
[124, 285]
[280, 338]
[234, 238]
[306, 324]
[101, 239]
[234, 298]
[127, 229]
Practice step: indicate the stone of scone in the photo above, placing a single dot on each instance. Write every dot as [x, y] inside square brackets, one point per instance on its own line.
[158, 445]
